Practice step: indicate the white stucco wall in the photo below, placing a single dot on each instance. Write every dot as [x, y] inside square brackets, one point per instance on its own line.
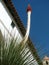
[44, 62]
[6, 20]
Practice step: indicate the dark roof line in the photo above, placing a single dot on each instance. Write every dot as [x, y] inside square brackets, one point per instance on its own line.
[13, 12]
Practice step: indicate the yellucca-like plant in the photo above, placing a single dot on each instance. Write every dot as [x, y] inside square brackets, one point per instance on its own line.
[15, 53]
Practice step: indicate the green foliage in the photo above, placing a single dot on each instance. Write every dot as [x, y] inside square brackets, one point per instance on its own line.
[12, 53]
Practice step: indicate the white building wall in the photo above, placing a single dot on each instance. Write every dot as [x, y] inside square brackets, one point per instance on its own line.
[7, 20]
[44, 62]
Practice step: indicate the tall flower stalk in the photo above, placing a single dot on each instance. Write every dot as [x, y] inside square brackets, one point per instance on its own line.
[28, 25]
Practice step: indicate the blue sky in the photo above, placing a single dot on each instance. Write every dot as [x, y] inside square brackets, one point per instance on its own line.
[39, 32]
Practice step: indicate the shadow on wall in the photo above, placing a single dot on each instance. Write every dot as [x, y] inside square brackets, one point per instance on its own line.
[1, 36]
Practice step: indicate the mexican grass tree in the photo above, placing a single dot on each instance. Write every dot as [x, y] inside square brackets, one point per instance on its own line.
[14, 53]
